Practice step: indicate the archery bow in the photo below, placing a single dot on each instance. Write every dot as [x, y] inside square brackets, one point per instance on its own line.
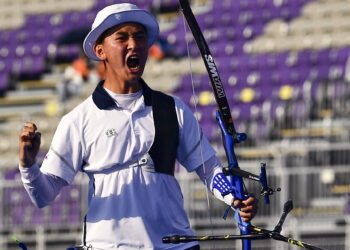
[230, 137]
[229, 134]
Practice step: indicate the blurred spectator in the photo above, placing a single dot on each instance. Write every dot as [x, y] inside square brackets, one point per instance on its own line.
[81, 66]
[79, 72]
[155, 52]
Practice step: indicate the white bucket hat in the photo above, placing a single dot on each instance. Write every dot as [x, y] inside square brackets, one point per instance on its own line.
[116, 14]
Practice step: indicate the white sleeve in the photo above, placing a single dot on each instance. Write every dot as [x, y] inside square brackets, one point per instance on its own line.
[194, 148]
[207, 173]
[65, 156]
[42, 188]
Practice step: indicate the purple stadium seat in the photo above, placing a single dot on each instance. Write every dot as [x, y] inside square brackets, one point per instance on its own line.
[17, 215]
[38, 20]
[270, 77]
[309, 57]
[20, 211]
[12, 174]
[39, 35]
[266, 91]
[241, 111]
[22, 36]
[316, 89]
[185, 96]
[56, 213]
[299, 110]
[207, 113]
[208, 129]
[204, 82]
[177, 39]
[336, 90]
[183, 84]
[78, 19]
[7, 51]
[206, 21]
[19, 205]
[288, 13]
[225, 5]
[68, 51]
[229, 34]
[16, 196]
[27, 65]
[72, 18]
[324, 56]
[5, 38]
[258, 130]
[339, 55]
[64, 195]
[293, 76]
[272, 61]
[246, 17]
[242, 77]
[74, 213]
[37, 217]
[277, 110]
[322, 71]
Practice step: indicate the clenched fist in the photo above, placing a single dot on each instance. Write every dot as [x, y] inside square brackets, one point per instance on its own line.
[29, 144]
[247, 208]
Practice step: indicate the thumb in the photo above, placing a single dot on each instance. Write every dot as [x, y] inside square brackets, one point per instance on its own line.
[36, 142]
[237, 203]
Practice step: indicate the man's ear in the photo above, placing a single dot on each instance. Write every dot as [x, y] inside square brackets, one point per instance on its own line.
[99, 52]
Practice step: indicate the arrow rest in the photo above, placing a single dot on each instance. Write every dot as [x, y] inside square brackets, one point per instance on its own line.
[266, 191]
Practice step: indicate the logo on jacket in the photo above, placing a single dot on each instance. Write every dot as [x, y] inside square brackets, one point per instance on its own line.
[111, 132]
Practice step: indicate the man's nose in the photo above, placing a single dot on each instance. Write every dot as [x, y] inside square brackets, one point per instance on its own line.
[132, 43]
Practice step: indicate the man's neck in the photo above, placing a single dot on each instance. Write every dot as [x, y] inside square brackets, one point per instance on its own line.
[123, 87]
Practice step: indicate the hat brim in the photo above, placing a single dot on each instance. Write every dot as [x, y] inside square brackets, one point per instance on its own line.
[134, 16]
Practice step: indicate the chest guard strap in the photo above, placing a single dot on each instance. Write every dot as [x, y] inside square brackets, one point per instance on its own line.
[164, 148]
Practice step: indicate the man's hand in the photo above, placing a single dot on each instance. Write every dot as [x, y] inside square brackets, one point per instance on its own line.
[29, 144]
[248, 208]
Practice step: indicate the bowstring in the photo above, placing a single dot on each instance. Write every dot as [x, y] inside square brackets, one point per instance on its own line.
[195, 102]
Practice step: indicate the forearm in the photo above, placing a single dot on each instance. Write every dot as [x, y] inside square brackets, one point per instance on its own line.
[212, 167]
[42, 188]
[207, 173]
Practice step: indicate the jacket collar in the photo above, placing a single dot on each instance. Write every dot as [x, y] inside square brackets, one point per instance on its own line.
[104, 101]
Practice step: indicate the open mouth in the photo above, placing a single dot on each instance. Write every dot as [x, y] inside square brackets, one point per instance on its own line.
[133, 63]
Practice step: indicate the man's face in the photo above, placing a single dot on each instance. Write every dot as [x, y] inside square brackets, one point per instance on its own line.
[125, 51]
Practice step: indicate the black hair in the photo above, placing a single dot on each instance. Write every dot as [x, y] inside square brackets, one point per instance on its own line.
[109, 31]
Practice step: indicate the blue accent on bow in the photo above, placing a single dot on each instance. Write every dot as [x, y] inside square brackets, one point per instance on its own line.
[236, 181]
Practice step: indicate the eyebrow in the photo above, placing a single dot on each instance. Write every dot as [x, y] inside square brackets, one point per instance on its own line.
[126, 33]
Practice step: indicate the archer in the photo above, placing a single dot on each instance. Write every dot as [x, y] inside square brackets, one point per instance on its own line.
[126, 137]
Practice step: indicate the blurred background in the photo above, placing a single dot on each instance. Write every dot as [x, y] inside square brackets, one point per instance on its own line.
[285, 67]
